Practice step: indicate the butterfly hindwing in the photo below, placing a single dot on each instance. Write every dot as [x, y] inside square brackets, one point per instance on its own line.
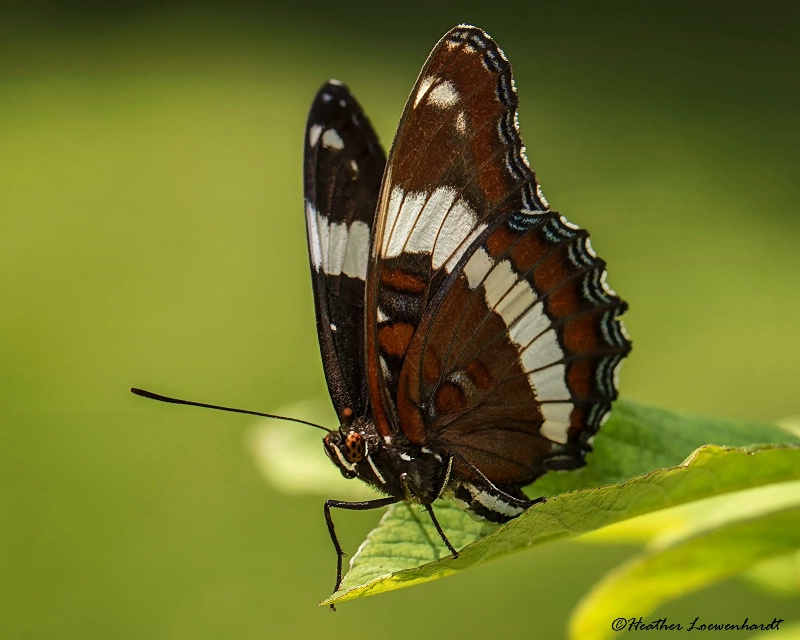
[457, 162]
[513, 367]
[343, 166]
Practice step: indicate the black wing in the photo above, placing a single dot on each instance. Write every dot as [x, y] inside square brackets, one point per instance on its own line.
[343, 167]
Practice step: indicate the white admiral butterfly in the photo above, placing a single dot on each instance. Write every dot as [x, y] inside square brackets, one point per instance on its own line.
[469, 339]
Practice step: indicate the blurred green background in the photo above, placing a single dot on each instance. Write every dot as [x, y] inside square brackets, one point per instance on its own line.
[152, 234]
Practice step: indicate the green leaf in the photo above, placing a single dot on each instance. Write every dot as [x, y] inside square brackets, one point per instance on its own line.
[727, 544]
[638, 439]
[404, 549]
[660, 527]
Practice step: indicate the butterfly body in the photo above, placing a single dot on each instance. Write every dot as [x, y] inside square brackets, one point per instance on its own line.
[395, 467]
[469, 338]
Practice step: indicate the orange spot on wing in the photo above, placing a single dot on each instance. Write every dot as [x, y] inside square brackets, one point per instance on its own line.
[579, 377]
[450, 399]
[581, 334]
[550, 272]
[492, 179]
[479, 374]
[566, 300]
[500, 239]
[528, 251]
[394, 338]
[402, 281]
[411, 421]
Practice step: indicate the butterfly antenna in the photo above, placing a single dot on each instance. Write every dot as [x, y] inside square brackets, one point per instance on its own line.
[160, 398]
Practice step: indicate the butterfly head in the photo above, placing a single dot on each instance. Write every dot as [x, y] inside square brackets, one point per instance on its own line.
[346, 448]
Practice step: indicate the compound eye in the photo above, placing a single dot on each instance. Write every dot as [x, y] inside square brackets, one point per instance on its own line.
[354, 448]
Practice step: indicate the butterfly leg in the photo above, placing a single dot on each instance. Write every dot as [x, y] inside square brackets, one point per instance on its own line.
[353, 506]
[436, 524]
[429, 508]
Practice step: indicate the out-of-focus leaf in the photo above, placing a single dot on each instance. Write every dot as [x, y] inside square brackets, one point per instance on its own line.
[777, 576]
[683, 565]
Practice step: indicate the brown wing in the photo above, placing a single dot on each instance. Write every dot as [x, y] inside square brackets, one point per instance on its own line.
[457, 163]
[490, 330]
[513, 367]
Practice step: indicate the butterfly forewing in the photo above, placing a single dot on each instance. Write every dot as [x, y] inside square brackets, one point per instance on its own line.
[456, 164]
[343, 167]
